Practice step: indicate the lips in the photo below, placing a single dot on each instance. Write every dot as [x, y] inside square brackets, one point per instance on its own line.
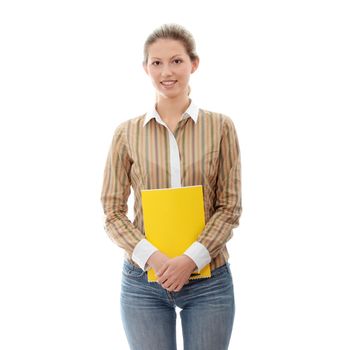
[168, 82]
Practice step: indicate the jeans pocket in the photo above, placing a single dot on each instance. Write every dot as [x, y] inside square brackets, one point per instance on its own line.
[220, 270]
[130, 270]
[228, 266]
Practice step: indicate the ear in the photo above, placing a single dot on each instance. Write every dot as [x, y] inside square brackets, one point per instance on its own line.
[195, 65]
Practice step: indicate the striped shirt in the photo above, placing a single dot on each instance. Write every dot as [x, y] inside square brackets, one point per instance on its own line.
[145, 154]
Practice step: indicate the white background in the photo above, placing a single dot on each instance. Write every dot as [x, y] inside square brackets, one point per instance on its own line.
[71, 71]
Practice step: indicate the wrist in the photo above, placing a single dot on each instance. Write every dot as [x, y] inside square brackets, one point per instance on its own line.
[152, 256]
[156, 258]
[191, 262]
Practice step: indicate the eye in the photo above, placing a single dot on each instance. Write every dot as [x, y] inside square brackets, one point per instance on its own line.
[177, 59]
[153, 63]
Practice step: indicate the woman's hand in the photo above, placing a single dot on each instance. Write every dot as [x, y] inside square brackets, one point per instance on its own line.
[157, 259]
[176, 272]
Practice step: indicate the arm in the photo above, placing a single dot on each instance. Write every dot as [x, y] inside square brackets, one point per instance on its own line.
[228, 205]
[114, 196]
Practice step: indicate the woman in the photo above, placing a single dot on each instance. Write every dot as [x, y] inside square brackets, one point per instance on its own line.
[175, 144]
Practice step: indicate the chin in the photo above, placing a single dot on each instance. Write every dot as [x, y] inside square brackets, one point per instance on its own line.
[171, 94]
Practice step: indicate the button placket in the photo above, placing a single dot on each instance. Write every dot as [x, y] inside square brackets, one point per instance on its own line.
[175, 164]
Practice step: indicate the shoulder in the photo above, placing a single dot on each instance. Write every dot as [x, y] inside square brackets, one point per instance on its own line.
[224, 120]
[132, 122]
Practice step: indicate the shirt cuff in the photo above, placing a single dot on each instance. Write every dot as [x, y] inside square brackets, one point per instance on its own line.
[142, 251]
[199, 254]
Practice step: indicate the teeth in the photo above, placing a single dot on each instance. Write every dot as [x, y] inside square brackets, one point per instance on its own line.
[169, 82]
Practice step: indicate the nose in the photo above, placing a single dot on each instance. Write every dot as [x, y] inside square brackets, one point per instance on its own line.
[166, 71]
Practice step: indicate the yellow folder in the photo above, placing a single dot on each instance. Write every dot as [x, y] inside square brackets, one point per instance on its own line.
[173, 220]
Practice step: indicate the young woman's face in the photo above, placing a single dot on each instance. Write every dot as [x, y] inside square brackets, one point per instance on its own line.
[169, 67]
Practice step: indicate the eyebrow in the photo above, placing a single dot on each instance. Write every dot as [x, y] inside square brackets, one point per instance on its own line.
[170, 57]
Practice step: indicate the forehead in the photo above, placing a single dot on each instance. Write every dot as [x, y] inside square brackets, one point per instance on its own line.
[165, 48]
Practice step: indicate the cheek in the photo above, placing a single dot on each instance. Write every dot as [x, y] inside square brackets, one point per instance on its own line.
[153, 74]
[184, 72]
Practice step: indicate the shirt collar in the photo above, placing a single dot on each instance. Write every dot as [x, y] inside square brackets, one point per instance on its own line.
[191, 111]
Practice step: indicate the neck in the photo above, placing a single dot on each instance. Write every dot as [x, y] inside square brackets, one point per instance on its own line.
[172, 108]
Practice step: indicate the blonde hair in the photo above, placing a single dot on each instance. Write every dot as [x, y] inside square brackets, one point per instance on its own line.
[176, 32]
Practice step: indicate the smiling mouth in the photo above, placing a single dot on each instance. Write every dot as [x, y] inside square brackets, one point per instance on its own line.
[168, 82]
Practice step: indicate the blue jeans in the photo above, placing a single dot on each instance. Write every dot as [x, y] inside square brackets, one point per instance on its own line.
[149, 316]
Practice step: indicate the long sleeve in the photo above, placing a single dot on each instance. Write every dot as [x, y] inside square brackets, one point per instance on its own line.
[199, 254]
[228, 206]
[114, 196]
[143, 250]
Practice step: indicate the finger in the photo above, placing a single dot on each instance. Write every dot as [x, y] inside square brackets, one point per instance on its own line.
[172, 286]
[178, 288]
[167, 284]
[163, 278]
[162, 270]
